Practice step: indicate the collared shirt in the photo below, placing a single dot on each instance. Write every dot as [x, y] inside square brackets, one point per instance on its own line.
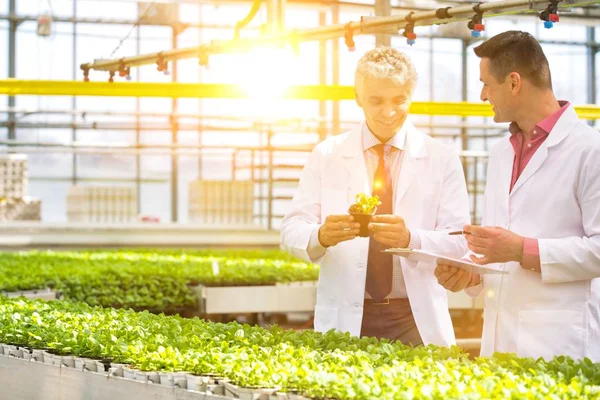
[394, 156]
[524, 151]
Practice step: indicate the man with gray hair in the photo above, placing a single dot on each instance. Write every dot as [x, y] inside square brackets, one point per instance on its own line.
[423, 195]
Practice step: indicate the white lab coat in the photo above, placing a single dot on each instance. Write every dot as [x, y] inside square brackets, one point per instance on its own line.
[432, 198]
[556, 200]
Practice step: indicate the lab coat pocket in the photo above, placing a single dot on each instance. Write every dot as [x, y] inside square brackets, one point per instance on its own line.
[325, 318]
[334, 201]
[549, 333]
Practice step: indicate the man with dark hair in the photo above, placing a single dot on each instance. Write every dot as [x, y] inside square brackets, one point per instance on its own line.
[516, 51]
[541, 217]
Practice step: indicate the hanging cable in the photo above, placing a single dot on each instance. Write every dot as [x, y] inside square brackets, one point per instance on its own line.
[140, 19]
[241, 24]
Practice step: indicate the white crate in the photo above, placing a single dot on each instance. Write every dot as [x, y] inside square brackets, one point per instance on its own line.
[101, 204]
[221, 202]
[20, 209]
[250, 299]
[13, 175]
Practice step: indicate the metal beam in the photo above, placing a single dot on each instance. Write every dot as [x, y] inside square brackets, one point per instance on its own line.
[591, 66]
[174, 140]
[322, 77]
[335, 70]
[74, 98]
[13, 87]
[383, 8]
[422, 18]
[12, 63]
[186, 90]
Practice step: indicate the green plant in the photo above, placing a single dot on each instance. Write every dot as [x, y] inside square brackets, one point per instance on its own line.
[330, 365]
[364, 204]
[159, 281]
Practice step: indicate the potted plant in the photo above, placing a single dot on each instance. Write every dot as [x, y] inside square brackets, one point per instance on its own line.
[362, 211]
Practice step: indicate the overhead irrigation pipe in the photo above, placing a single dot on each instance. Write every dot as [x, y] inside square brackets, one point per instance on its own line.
[366, 25]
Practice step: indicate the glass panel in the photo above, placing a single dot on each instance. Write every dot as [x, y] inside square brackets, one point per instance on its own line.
[108, 9]
[54, 198]
[45, 57]
[447, 70]
[568, 65]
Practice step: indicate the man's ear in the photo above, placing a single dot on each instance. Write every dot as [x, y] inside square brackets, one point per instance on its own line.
[357, 98]
[515, 82]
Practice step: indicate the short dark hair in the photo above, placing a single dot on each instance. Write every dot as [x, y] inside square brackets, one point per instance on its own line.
[516, 51]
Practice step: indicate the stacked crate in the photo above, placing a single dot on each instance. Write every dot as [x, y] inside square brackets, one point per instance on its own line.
[13, 175]
[221, 202]
[105, 204]
[14, 203]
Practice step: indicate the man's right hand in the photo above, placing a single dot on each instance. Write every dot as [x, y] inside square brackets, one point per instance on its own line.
[338, 228]
[455, 279]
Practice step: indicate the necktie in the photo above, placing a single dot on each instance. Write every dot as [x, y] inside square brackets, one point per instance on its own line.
[380, 265]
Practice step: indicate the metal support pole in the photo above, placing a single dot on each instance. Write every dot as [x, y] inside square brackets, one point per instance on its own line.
[12, 63]
[261, 179]
[200, 100]
[233, 164]
[74, 98]
[281, 13]
[138, 160]
[322, 77]
[383, 8]
[272, 16]
[464, 137]
[591, 67]
[252, 179]
[270, 185]
[475, 189]
[335, 66]
[431, 84]
[174, 140]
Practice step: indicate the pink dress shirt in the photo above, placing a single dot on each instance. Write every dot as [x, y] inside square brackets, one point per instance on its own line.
[523, 153]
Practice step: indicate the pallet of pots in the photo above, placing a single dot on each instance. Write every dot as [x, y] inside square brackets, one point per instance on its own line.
[209, 384]
[238, 392]
[42, 294]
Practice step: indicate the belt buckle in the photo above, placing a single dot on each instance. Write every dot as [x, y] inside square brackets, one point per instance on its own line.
[383, 303]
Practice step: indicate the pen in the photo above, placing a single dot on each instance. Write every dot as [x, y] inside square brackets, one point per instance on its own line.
[460, 233]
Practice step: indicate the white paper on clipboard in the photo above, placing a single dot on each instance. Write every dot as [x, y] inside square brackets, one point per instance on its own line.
[420, 255]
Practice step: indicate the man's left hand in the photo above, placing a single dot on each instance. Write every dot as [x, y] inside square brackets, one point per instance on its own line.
[496, 245]
[390, 230]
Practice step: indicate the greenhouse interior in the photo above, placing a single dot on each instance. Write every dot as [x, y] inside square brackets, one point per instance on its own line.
[299, 199]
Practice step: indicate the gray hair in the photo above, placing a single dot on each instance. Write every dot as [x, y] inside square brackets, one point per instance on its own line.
[386, 62]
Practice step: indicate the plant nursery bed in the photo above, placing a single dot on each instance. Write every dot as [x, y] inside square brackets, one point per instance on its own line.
[294, 297]
[24, 380]
[42, 294]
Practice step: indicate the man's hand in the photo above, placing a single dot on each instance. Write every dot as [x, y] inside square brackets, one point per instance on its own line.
[338, 228]
[496, 245]
[390, 230]
[454, 279]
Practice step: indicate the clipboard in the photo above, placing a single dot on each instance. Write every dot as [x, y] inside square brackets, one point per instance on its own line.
[420, 255]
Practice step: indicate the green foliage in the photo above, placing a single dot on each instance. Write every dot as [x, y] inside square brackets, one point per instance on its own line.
[365, 204]
[143, 279]
[333, 365]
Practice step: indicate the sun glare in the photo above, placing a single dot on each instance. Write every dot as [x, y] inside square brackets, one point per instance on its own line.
[268, 72]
